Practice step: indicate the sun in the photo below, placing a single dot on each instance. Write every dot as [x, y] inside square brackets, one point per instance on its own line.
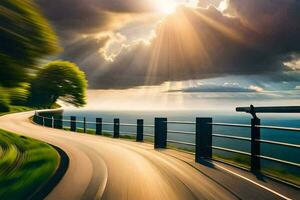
[167, 6]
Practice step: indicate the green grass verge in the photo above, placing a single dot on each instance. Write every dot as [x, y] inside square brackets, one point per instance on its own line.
[16, 109]
[244, 162]
[282, 174]
[25, 165]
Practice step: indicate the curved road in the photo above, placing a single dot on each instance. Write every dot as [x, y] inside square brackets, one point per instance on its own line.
[106, 168]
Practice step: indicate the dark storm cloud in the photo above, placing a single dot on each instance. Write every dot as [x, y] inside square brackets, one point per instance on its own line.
[89, 16]
[82, 48]
[256, 38]
[275, 21]
[213, 45]
[86, 52]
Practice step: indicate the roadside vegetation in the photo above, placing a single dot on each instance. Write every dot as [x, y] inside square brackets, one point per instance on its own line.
[16, 109]
[26, 38]
[25, 166]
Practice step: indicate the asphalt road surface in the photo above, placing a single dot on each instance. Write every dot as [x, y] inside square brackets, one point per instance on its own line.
[112, 169]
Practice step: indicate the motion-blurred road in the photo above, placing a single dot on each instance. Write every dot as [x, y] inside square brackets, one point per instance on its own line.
[106, 168]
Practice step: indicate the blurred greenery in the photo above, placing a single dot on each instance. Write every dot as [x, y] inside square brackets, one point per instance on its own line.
[25, 37]
[19, 95]
[25, 165]
[4, 100]
[58, 80]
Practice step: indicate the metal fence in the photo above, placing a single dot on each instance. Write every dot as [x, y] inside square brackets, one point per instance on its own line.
[203, 134]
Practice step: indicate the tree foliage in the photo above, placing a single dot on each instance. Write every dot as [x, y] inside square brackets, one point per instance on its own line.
[4, 100]
[25, 37]
[59, 80]
[19, 95]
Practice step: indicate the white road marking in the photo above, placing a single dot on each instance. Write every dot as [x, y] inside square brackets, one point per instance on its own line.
[255, 183]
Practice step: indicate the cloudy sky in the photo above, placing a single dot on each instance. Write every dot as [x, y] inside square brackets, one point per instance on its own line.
[182, 54]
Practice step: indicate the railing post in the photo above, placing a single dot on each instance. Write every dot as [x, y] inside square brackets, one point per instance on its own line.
[39, 120]
[43, 118]
[140, 130]
[35, 118]
[160, 133]
[52, 122]
[98, 126]
[73, 124]
[203, 138]
[59, 122]
[116, 128]
[255, 145]
[84, 124]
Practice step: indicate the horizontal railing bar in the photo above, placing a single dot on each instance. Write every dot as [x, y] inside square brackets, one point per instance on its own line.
[149, 135]
[179, 142]
[274, 109]
[231, 150]
[149, 126]
[181, 132]
[279, 128]
[279, 143]
[46, 118]
[232, 137]
[107, 123]
[181, 122]
[123, 124]
[91, 122]
[107, 131]
[279, 160]
[231, 125]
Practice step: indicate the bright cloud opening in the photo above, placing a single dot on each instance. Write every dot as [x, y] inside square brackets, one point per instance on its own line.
[167, 6]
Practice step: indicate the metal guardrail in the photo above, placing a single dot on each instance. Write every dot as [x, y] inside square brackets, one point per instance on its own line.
[279, 143]
[232, 137]
[279, 161]
[232, 125]
[181, 132]
[181, 122]
[203, 134]
[275, 109]
[231, 150]
[279, 128]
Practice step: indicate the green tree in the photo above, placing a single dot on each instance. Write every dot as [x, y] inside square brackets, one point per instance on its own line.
[58, 80]
[25, 37]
